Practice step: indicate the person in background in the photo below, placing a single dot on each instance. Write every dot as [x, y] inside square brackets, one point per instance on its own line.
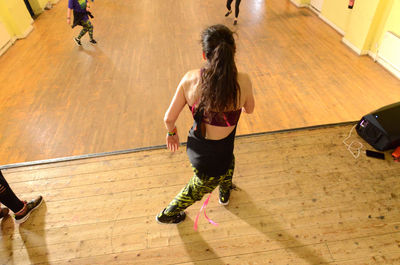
[228, 6]
[81, 10]
[216, 95]
[21, 209]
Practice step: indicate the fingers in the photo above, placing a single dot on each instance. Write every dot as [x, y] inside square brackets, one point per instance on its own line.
[172, 146]
[172, 143]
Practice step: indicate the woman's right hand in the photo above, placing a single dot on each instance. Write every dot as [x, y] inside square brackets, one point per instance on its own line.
[172, 142]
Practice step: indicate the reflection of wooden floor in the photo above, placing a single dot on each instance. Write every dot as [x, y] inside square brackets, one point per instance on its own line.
[58, 100]
[302, 199]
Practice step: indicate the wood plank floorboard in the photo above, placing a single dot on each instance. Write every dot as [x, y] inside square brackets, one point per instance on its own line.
[301, 198]
[60, 100]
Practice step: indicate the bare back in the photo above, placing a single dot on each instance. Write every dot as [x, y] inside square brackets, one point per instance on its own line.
[192, 92]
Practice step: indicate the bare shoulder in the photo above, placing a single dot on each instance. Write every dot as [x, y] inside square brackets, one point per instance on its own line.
[244, 82]
[190, 83]
[192, 76]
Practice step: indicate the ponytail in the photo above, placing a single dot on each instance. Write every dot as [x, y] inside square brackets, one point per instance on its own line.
[220, 89]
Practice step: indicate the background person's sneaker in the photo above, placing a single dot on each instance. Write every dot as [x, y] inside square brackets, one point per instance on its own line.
[29, 207]
[93, 42]
[162, 218]
[78, 41]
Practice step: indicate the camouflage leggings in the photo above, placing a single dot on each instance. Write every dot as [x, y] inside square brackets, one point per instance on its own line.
[198, 186]
[87, 26]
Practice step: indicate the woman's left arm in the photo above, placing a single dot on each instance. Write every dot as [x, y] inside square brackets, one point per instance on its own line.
[177, 104]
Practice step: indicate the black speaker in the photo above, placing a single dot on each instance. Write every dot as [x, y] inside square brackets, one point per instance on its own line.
[381, 128]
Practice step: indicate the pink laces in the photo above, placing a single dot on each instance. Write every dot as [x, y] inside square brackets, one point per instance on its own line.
[204, 206]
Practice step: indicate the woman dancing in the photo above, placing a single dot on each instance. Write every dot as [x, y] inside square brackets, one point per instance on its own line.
[216, 95]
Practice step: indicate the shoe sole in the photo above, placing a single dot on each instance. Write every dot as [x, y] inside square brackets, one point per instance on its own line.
[223, 203]
[20, 221]
[161, 223]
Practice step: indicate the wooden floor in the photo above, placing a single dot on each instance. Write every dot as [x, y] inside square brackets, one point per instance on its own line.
[59, 100]
[302, 199]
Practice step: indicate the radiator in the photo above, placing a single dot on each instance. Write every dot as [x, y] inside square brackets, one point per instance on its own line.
[389, 53]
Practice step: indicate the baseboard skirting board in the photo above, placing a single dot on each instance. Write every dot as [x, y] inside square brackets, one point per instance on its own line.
[335, 27]
[6, 46]
[15, 38]
[26, 33]
[353, 47]
[388, 67]
[373, 55]
[313, 9]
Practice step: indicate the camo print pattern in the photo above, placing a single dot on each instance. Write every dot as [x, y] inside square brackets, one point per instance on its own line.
[199, 185]
[87, 27]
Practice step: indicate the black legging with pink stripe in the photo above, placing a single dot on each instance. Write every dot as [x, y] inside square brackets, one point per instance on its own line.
[237, 3]
[7, 196]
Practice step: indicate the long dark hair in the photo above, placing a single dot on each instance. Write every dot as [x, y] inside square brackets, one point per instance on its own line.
[220, 88]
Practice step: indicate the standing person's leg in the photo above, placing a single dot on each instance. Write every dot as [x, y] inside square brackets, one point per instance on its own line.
[21, 209]
[198, 186]
[237, 4]
[87, 27]
[228, 6]
[78, 39]
[84, 29]
[90, 30]
[7, 196]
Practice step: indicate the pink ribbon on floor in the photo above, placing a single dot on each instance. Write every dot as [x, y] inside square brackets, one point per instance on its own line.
[198, 215]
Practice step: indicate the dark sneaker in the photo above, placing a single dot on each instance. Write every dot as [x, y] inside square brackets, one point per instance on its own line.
[228, 13]
[78, 41]
[224, 197]
[93, 42]
[235, 22]
[28, 209]
[3, 212]
[161, 218]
